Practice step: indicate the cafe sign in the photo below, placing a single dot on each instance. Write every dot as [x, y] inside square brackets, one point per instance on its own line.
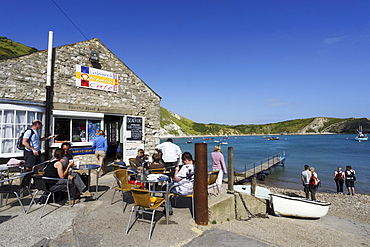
[96, 79]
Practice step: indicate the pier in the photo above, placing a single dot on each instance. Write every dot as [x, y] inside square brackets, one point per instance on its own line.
[258, 168]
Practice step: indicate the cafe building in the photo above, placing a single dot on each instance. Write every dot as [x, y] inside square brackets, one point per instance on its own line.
[90, 89]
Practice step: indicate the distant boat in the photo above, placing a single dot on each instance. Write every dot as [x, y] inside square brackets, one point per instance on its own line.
[284, 205]
[216, 141]
[189, 141]
[271, 138]
[226, 137]
[205, 139]
[224, 143]
[361, 137]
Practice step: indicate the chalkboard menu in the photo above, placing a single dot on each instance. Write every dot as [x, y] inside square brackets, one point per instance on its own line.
[134, 128]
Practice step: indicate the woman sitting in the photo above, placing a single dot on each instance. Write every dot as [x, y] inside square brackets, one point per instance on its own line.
[156, 164]
[55, 170]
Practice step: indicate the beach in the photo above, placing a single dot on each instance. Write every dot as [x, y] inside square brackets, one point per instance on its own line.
[346, 224]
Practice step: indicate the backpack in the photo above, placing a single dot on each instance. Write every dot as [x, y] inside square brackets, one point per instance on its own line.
[339, 175]
[314, 180]
[20, 146]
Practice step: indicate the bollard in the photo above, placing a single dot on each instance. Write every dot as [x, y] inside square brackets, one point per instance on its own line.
[201, 184]
[230, 170]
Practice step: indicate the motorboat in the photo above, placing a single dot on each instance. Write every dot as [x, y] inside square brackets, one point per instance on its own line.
[273, 138]
[224, 143]
[283, 205]
[361, 136]
[260, 192]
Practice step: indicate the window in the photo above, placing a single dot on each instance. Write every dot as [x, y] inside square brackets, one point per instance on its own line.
[76, 130]
[12, 123]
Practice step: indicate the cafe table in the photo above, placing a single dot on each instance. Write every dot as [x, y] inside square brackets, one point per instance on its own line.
[155, 180]
[90, 167]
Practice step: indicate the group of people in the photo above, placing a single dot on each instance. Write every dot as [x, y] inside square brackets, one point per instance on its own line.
[348, 177]
[311, 182]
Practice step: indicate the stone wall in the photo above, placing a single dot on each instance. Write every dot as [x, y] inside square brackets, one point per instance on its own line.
[24, 78]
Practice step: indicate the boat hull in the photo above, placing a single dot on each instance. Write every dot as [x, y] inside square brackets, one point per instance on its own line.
[283, 205]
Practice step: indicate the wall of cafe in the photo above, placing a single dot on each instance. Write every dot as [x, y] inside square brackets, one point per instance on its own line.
[23, 82]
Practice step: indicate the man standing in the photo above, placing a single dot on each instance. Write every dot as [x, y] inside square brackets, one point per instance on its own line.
[171, 153]
[306, 177]
[32, 143]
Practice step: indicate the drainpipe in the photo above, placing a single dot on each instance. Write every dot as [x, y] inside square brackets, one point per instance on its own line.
[48, 95]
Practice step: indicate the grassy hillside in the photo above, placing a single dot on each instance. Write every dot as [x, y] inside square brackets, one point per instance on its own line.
[10, 49]
[176, 125]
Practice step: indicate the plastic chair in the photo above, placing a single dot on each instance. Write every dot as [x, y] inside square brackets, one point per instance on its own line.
[122, 178]
[42, 186]
[212, 178]
[171, 194]
[16, 189]
[142, 199]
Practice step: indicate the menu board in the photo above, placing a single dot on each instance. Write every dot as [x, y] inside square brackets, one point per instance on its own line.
[134, 128]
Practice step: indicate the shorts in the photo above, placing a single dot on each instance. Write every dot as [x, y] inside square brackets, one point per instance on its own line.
[100, 154]
[30, 159]
[350, 183]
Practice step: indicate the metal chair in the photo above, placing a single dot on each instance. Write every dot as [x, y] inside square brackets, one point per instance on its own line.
[40, 183]
[212, 178]
[157, 171]
[16, 189]
[122, 178]
[142, 199]
[171, 194]
[132, 162]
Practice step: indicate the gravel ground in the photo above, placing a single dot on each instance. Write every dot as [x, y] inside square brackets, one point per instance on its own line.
[346, 224]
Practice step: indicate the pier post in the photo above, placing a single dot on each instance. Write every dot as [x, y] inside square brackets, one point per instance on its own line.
[230, 170]
[201, 184]
[253, 186]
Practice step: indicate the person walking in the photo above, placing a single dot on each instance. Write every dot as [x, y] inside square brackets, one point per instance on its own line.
[218, 163]
[339, 179]
[350, 180]
[306, 177]
[32, 142]
[100, 146]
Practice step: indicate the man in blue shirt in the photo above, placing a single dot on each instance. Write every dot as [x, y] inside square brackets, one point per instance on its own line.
[32, 143]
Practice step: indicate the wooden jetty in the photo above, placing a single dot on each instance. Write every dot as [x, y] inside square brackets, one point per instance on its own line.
[259, 168]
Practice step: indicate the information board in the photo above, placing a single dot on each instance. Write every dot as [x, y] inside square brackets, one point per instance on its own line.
[134, 128]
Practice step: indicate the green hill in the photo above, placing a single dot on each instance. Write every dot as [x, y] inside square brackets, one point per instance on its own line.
[11, 49]
[173, 124]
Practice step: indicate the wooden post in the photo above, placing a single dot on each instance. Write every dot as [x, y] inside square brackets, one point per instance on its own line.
[230, 170]
[201, 184]
[253, 186]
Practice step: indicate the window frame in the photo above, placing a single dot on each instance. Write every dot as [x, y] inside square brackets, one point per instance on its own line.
[76, 115]
[17, 127]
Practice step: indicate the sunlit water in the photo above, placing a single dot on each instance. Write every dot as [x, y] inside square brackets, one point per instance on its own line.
[324, 152]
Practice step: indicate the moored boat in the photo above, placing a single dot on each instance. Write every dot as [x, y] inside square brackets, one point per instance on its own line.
[284, 205]
[271, 138]
[361, 136]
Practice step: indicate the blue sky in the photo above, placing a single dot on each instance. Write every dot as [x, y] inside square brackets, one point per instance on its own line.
[222, 61]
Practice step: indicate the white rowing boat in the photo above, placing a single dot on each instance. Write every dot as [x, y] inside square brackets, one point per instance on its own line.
[283, 205]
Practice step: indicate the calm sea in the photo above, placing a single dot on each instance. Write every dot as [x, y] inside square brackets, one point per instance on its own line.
[324, 152]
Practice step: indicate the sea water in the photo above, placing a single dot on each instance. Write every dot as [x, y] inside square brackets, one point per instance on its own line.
[324, 152]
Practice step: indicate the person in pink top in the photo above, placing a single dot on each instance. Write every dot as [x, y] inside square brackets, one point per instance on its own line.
[218, 163]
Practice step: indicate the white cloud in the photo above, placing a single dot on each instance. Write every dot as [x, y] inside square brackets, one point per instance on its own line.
[330, 41]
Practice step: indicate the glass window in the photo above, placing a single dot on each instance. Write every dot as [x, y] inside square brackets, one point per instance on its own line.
[76, 130]
[12, 123]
